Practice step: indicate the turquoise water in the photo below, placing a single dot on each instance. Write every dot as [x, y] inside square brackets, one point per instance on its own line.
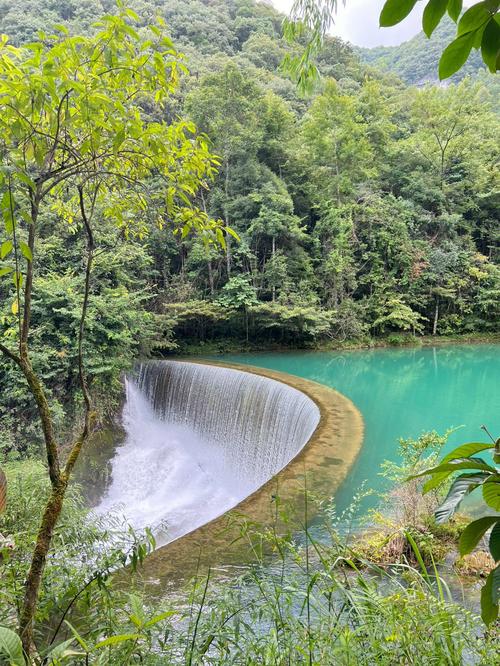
[401, 393]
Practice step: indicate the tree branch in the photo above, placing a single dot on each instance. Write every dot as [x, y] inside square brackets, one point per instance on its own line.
[88, 422]
[10, 354]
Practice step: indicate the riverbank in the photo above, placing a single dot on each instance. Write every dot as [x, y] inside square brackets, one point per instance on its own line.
[235, 346]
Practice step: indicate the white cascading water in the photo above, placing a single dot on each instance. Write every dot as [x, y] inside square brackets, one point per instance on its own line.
[199, 439]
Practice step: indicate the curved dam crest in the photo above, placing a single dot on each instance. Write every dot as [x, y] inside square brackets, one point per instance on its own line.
[199, 440]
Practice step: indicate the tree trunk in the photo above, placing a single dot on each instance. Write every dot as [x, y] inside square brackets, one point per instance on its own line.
[226, 221]
[228, 257]
[273, 252]
[337, 172]
[58, 478]
[209, 261]
[39, 559]
[436, 317]
[211, 277]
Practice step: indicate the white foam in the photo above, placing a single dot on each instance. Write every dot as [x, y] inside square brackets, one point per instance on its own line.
[199, 439]
[162, 477]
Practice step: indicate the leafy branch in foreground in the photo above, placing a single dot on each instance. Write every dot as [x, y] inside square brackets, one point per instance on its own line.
[478, 27]
[475, 473]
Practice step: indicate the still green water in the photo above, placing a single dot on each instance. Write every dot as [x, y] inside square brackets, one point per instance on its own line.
[401, 393]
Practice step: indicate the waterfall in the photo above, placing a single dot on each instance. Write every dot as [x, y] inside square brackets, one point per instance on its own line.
[199, 439]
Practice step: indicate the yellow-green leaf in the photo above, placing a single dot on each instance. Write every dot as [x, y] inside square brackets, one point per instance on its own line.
[25, 250]
[115, 640]
[6, 248]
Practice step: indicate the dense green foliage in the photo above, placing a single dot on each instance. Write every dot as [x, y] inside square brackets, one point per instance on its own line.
[368, 209]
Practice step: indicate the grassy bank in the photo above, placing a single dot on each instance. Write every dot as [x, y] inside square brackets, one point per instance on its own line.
[310, 603]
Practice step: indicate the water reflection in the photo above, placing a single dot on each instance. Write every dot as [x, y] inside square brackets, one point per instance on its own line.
[401, 393]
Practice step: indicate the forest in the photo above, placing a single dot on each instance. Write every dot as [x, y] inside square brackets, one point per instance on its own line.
[167, 189]
[368, 209]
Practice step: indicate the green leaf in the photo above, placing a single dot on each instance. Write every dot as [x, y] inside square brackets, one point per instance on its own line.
[17, 279]
[6, 248]
[114, 640]
[25, 251]
[11, 647]
[131, 14]
[5, 270]
[491, 493]
[455, 9]
[135, 620]
[495, 587]
[394, 11]
[490, 44]
[159, 618]
[418, 555]
[489, 597]
[61, 28]
[80, 640]
[474, 532]
[462, 486]
[433, 13]
[467, 450]
[232, 233]
[455, 55]
[62, 651]
[26, 180]
[473, 18]
[118, 140]
[463, 451]
[457, 464]
[494, 543]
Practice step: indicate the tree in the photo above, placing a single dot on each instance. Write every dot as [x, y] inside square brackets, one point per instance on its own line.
[239, 294]
[224, 106]
[77, 138]
[444, 121]
[337, 269]
[335, 147]
[396, 315]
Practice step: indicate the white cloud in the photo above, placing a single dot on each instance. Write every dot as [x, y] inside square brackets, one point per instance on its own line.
[357, 23]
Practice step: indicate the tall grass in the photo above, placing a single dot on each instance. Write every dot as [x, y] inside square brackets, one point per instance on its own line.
[300, 602]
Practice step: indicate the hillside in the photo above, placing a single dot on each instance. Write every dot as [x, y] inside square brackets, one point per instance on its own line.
[352, 221]
[416, 61]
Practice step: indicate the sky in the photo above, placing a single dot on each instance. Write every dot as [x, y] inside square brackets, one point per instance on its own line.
[357, 23]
